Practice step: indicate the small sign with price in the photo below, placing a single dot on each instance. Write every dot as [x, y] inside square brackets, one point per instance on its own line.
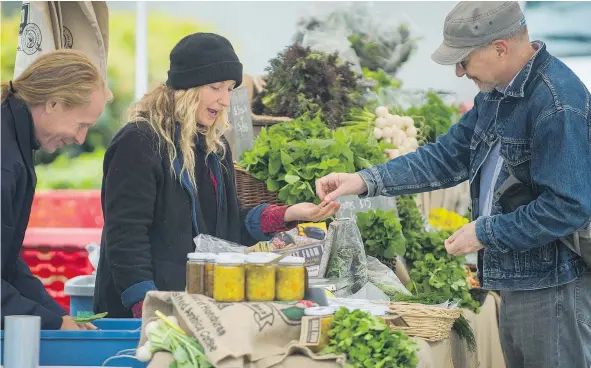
[240, 136]
[352, 204]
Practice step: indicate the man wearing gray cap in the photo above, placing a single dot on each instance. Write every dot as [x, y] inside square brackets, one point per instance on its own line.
[525, 148]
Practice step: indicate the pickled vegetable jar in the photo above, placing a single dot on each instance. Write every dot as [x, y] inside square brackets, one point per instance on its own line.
[291, 279]
[198, 277]
[325, 315]
[209, 269]
[228, 278]
[195, 274]
[260, 278]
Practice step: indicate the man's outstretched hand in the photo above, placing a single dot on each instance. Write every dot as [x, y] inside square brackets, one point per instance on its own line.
[332, 186]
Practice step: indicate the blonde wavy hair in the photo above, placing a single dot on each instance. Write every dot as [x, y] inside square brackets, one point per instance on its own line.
[67, 76]
[163, 108]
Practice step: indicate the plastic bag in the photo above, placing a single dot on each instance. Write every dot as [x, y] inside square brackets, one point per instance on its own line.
[94, 252]
[378, 44]
[370, 292]
[211, 244]
[384, 278]
[329, 41]
[347, 254]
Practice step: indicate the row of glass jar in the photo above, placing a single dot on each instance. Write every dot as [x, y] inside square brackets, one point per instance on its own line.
[236, 277]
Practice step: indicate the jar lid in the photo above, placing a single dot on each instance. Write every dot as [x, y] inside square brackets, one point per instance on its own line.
[229, 258]
[319, 311]
[201, 256]
[260, 257]
[293, 260]
[234, 254]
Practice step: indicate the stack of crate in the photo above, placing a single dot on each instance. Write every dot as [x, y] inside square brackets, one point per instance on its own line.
[62, 223]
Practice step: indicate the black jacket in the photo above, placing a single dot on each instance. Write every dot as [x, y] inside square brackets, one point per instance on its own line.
[22, 293]
[151, 218]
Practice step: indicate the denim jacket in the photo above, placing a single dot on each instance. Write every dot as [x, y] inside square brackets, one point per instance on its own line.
[543, 191]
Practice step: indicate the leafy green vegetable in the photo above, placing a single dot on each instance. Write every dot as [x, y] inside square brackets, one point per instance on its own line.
[412, 225]
[383, 79]
[381, 233]
[369, 342]
[290, 156]
[186, 350]
[445, 275]
[438, 116]
[302, 81]
[427, 298]
[87, 319]
[465, 332]
[384, 50]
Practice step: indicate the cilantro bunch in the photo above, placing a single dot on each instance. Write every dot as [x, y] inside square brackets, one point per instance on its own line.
[369, 342]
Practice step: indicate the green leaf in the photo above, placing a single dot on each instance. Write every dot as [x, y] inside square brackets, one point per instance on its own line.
[285, 158]
[291, 179]
[284, 193]
[390, 253]
[273, 185]
[274, 165]
[319, 144]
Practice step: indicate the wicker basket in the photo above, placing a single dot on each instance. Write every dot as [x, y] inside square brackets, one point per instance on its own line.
[252, 191]
[425, 322]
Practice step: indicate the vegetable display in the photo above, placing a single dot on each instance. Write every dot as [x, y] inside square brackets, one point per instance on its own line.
[399, 131]
[369, 342]
[443, 275]
[438, 116]
[381, 233]
[382, 78]
[301, 81]
[165, 334]
[290, 156]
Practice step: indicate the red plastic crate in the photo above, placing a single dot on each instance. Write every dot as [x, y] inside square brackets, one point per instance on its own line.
[61, 224]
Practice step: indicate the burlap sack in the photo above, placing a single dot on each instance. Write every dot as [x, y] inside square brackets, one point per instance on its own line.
[51, 25]
[236, 335]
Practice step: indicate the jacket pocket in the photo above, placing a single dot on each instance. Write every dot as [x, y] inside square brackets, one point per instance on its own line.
[583, 297]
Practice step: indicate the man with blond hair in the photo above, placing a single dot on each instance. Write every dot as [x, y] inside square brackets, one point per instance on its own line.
[52, 103]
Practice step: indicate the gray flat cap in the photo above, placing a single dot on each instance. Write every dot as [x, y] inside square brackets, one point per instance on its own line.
[472, 24]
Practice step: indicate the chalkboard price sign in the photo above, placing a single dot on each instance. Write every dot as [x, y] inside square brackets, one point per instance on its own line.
[241, 136]
[351, 205]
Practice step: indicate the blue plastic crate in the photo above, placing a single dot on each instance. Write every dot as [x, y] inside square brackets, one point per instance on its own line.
[89, 348]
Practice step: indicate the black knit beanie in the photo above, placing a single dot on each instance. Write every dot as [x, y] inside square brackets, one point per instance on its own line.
[203, 58]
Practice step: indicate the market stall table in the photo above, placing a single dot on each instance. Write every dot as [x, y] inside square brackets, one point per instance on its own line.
[453, 351]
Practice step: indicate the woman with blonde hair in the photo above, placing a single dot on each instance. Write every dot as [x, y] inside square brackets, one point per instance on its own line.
[169, 176]
[51, 104]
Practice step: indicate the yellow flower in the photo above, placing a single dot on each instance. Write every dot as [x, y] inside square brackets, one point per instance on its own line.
[443, 219]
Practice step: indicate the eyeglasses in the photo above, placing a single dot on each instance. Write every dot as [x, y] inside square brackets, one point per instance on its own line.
[463, 64]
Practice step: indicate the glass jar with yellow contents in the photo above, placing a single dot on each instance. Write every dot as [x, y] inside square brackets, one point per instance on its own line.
[260, 277]
[228, 278]
[291, 279]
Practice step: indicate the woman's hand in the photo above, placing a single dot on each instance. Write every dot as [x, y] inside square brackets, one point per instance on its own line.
[310, 212]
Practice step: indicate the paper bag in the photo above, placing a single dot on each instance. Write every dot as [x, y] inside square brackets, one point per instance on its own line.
[256, 335]
[50, 25]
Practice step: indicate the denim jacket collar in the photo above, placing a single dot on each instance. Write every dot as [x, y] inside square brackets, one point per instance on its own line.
[524, 77]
